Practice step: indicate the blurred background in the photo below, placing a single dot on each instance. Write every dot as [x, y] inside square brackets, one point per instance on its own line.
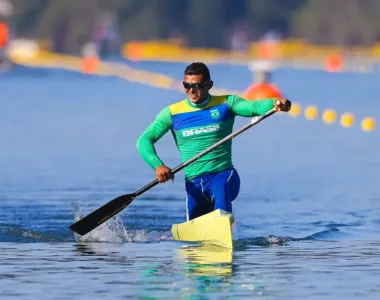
[263, 36]
[324, 27]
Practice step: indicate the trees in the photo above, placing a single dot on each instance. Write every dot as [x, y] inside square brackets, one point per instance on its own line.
[70, 23]
[337, 22]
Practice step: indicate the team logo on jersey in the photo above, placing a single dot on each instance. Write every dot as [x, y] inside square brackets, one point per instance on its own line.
[214, 113]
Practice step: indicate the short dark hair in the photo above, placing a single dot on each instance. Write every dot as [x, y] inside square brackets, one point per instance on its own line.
[198, 68]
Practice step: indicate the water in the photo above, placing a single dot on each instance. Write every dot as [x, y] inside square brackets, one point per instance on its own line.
[320, 270]
[307, 215]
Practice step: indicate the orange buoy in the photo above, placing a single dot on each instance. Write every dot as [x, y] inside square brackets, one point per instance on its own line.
[334, 63]
[267, 50]
[262, 91]
[133, 51]
[89, 64]
[4, 34]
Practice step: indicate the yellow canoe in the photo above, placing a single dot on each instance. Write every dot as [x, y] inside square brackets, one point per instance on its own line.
[213, 228]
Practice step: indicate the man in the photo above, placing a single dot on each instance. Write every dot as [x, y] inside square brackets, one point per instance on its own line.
[196, 123]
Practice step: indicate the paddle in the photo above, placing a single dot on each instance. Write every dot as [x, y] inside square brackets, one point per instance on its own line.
[116, 205]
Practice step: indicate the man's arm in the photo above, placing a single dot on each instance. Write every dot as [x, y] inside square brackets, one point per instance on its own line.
[245, 108]
[145, 143]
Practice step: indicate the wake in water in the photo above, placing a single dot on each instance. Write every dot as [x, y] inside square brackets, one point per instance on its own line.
[272, 240]
[114, 231]
[23, 235]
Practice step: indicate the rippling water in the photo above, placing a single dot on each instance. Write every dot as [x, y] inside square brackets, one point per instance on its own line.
[307, 216]
[319, 270]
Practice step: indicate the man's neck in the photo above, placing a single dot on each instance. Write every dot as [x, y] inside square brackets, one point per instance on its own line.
[202, 102]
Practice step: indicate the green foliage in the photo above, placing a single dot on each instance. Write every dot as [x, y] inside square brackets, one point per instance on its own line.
[355, 23]
[271, 14]
[26, 15]
[204, 22]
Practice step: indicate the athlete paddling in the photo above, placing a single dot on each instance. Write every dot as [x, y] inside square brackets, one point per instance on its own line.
[196, 123]
[202, 128]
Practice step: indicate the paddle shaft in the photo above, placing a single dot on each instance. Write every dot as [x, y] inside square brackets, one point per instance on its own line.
[108, 210]
[204, 152]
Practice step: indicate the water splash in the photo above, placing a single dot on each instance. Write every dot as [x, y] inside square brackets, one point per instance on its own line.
[113, 231]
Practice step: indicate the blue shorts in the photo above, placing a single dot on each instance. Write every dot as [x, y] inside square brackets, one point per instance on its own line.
[211, 191]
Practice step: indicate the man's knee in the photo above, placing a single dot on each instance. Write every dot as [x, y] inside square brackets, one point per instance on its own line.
[233, 185]
[196, 205]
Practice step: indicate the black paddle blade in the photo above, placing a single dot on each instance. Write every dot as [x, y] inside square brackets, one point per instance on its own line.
[102, 214]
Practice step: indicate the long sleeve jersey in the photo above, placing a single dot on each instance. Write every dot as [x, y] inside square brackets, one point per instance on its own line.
[197, 127]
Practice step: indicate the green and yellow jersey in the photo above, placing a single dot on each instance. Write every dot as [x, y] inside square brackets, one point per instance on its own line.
[197, 127]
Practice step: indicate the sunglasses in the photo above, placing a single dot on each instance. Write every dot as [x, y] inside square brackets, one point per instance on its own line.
[195, 86]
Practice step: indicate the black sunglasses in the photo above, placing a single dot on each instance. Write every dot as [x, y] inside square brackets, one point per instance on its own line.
[195, 86]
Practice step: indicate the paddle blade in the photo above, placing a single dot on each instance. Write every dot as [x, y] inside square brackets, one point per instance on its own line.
[102, 214]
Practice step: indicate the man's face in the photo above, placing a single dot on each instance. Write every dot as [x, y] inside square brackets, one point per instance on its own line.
[195, 88]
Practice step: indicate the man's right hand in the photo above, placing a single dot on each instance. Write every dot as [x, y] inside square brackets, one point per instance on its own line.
[282, 104]
[164, 174]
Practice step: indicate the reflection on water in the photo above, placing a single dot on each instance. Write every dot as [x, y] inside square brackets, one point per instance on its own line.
[214, 271]
[206, 261]
[208, 269]
[96, 249]
[312, 269]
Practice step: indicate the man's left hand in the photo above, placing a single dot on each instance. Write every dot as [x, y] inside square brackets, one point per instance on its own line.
[282, 104]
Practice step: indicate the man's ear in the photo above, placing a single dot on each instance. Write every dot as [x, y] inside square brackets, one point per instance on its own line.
[210, 84]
